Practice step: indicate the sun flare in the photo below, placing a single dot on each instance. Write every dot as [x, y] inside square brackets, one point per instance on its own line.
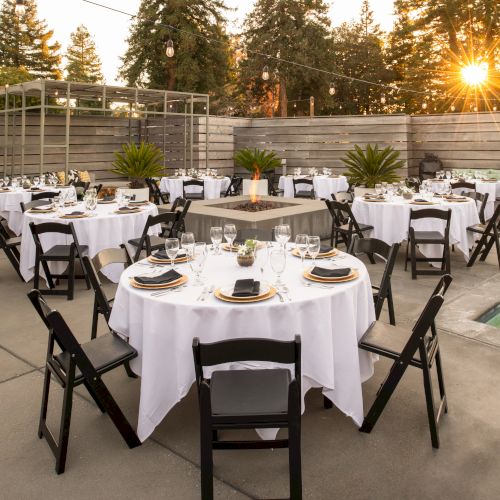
[475, 74]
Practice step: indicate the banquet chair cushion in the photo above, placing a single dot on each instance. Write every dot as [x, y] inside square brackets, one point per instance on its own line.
[156, 242]
[429, 236]
[62, 251]
[477, 228]
[303, 194]
[195, 196]
[104, 352]
[250, 392]
[13, 242]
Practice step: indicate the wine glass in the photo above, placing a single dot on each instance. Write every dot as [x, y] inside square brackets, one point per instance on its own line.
[216, 237]
[230, 234]
[378, 189]
[384, 187]
[198, 259]
[187, 243]
[261, 258]
[282, 234]
[313, 247]
[278, 263]
[172, 249]
[301, 244]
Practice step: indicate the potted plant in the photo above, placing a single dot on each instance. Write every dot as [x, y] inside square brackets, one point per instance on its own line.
[138, 162]
[373, 166]
[257, 162]
[246, 253]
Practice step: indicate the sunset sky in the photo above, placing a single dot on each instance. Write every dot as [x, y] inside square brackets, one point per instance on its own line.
[110, 29]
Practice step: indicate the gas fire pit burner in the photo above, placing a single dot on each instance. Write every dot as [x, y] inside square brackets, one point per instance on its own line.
[257, 206]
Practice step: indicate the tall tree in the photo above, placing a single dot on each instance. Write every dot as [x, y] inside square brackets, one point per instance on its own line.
[25, 41]
[198, 65]
[296, 31]
[83, 62]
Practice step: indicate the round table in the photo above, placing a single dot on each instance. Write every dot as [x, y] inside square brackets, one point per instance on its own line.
[324, 185]
[10, 205]
[104, 229]
[390, 222]
[213, 186]
[161, 328]
[492, 188]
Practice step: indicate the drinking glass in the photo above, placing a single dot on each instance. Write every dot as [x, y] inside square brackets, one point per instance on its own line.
[261, 258]
[378, 188]
[187, 243]
[216, 237]
[301, 245]
[172, 249]
[282, 234]
[313, 247]
[384, 187]
[198, 259]
[278, 263]
[230, 234]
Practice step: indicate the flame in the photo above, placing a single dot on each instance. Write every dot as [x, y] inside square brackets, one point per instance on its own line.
[254, 186]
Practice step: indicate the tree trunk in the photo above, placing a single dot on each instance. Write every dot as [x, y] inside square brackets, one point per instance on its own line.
[283, 99]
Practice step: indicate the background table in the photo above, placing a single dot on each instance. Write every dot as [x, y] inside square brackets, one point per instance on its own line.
[162, 329]
[104, 230]
[324, 185]
[10, 206]
[390, 222]
[213, 186]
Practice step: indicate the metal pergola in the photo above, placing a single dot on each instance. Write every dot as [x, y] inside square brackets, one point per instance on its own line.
[44, 97]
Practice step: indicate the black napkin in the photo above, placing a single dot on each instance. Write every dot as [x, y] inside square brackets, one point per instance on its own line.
[108, 197]
[162, 255]
[126, 209]
[76, 213]
[330, 273]
[420, 200]
[325, 249]
[246, 288]
[162, 279]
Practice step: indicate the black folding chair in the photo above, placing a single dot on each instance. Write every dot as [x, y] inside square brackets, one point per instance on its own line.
[234, 187]
[199, 195]
[272, 190]
[417, 348]
[10, 246]
[413, 183]
[45, 195]
[372, 246]
[343, 196]
[147, 242]
[180, 205]
[480, 198]
[303, 193]
[345, 225]
[249, 399]
[79, 364]
[456, 186]
[159, 198]
[81, 188]
[34, 203]
[490, 235]
[429, 238]
[97, 188]
[58, 253]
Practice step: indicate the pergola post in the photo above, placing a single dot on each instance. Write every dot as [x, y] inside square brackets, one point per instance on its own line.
[6, 131]
[23, 129]
[207, 107]
[42, 125]
[68, 119]
[191, 132]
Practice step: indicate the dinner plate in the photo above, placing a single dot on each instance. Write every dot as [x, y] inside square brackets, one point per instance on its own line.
[374, 200]
[457, 200]
[183, 279]
[327, 255]
[138, 203]
[240, 300]
[354, 275]
[129, 211]
[106, 202]
[44, 211]
[227, 292]
[68, 216]
[422, 203]
[178, 260]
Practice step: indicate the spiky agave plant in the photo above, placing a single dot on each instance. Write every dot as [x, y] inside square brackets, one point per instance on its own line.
[138, 162]
[257, 161]
[372, 166]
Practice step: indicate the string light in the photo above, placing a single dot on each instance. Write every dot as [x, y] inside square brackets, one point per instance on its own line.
[383, 100]
[494, 108]
[265, 73]
[424, 105]
[452, 108]
[20, 7]
[332, 89]
[170, 49]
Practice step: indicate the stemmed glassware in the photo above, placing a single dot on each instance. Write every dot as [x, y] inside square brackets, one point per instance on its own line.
[216, 237]
[187, 243]
[278, 263]
[313, 247]
[384, 187]
[198, 259]
[230, 234]
[282, 234]
[172, 249]
[301, 244]
[378, 189]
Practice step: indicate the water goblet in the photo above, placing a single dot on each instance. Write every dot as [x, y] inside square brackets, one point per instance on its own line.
[216, 237]
[172, 249]
[378, 189]
[277, 258]
[313, 247]
[384, 187]
[187, 243]
[282, 234]
[301, 244]
[230, 234]
[198, 259]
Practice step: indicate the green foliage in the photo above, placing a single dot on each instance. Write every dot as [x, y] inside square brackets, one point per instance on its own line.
[257, 161]
[138, 162]
[372, 166]
[11, 76]
[84, 64]
[25, 42]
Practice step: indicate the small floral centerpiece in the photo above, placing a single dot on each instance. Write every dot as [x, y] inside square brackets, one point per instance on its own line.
[406, 192]
[246, 253]
[192, 172]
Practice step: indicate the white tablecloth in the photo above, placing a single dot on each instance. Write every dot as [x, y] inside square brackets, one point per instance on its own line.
[390, 222]
[213, 186]
[492, 188]
[162, 329]
[324, 185]
[104, 230]
[10, 207]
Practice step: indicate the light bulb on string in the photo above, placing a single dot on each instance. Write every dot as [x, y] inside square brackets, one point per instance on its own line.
[170, 51]
[20, 7]
[265, 73]
[424, 105]
[332, 89]
[494, 108]
[383, 99]
[475, 109]
[452, 108]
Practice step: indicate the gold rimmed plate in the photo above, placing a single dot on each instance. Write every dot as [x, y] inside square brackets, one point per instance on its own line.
[326, 255]
[352, 276]
[138, 203]
[128, 211]
[245, 300]
[172, 284]
[106, 202]
[80, 216]
[44, 211]
[422, 203]
[374, 200]
[178, 260]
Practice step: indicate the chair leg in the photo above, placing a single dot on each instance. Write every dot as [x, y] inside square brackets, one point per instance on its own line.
[407, 251]
[129, 371]
[413, 251]
[94, 396]
[95, 320]
[429, 399]
[447, 259]
[36, 279]
[327, 404]
[45, 402]
[71, 279]
[294, 455]
[207, 487]
[48, 275]
[390, 306]
[62, 447]
[85, 275]
[440, 377]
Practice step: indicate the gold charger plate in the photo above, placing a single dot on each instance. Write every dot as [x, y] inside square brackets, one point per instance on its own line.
[423, 203]
[458, 200]
[125, 212]
[354, 275]
[105, 202]
[183, 279]
[83, 216]
[178, 260]
[334, 252]
[138, 203]
[244, 300]
[48, 211]
[373, 200]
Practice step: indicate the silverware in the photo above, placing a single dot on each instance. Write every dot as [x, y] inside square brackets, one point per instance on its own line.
[282, 299]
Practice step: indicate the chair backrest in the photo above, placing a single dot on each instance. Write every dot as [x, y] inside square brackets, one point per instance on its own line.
[494, 221]
[154, 190]
[342, 196]
[432, 213]
[97, 188]
[482, 198]
[193, 182]
[53, 227]
[30, 204]
[179, 202]
[180, 225]
[413, 183]
[463, 185]
[45, 195]
[297, 182]
[152, 220]
[81, 184]
[250, 349]
[342, 214]
[234, 186]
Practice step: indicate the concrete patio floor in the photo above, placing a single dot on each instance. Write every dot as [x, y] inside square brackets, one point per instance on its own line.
[395, 461]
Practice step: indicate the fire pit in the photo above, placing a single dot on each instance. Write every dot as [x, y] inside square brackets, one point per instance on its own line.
[303, 215]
